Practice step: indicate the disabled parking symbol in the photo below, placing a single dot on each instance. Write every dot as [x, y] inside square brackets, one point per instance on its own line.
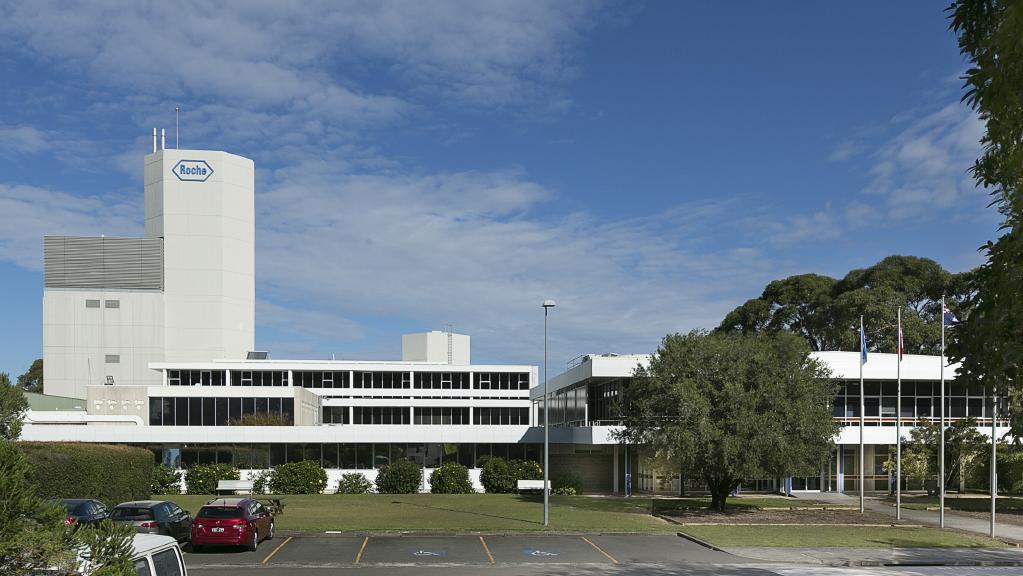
[422, 553]
[538, 553]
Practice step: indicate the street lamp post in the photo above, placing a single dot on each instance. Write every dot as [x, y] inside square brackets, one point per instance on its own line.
[547, 304]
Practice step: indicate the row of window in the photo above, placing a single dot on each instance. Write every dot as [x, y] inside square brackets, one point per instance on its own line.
[359, 379]
[106, 303]
[343, 456]
[429, 415]
[183, 411]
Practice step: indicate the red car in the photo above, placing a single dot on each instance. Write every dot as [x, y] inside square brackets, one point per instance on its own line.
[232, 522]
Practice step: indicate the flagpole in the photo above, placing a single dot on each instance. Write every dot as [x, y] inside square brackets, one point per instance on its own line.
[898, 422]
[941, 449]
[863, 345]
[994, 459]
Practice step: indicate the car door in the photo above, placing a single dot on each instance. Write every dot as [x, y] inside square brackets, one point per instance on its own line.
[183, 520]
[99, 512]
[262, 519]
[161, 512]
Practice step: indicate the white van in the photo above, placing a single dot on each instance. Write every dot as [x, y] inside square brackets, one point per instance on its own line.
[157, 556]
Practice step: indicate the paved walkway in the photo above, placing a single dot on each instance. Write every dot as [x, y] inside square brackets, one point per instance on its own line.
[1003, 530]
[886, 556]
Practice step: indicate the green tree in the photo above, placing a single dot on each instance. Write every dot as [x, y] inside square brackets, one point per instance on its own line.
[13, 406]
[5, 379]
[964, 450]
[989, 342]
[32, 380]
[733, 407]
[33, 534]
[825, 312]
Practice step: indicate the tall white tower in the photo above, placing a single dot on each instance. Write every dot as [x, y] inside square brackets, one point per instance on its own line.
[202, 203]
[185, 292]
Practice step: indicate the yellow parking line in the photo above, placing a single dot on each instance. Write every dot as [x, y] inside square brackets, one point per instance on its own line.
[358, 556]
[271, 555]
[599, 549]
[487, 549]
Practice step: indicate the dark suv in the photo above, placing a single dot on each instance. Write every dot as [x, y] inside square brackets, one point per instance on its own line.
[84, 511]
[232, 522]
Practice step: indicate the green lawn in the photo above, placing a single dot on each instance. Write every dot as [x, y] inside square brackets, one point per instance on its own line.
[836, 537]
[664, 505]
[972, 504]
[456, 512]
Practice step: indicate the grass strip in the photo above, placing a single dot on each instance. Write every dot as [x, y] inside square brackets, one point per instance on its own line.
[837, 537]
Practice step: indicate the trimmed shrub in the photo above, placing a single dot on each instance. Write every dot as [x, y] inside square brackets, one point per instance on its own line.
[497, 476]
[451, 478]
[526, 470]
[566, 483]
[354, 483]
[165, 480]
[305, 477]
[260, 481]
[399, 477]
[203, 478]
[109, 473]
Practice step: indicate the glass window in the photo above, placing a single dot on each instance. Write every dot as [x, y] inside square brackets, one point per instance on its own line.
[209, 412]
[364, 456]
[234, 408]
[346, 454]
[274, 405]
[142, 567]
[181, 407]
[155, 411]
[277, 454]
[194, 411]
[249, 406]
[330, 457]
[92, 303]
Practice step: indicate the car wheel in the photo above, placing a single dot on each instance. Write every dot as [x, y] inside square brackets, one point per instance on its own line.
[270, 535]
[255, 541]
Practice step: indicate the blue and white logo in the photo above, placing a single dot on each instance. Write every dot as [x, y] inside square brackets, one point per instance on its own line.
[193, 170]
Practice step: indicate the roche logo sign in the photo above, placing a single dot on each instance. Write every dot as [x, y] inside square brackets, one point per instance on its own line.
[193, 170]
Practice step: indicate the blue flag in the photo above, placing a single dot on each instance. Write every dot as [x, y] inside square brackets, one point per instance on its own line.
[863, 344]
[948, 318]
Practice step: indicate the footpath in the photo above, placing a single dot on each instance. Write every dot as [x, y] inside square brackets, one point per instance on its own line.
[1011, 556]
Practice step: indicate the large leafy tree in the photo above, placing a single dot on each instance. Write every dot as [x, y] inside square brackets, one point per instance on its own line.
[964, 449]
[13, 406]
[32, 379]
[825, 311]
[990, 341]
[733, 407]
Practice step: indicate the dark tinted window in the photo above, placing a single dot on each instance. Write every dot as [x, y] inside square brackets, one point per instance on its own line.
[220, 512]
[166, 563]
[81, 508]
[142, 567]
[132, 513]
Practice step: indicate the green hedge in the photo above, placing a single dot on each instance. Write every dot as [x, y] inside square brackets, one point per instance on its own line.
[399, 477]
[354, 483]
[112, 474]
[500, 476]
[166, 480]
[203, 478]
[451, 478]
[305, 477]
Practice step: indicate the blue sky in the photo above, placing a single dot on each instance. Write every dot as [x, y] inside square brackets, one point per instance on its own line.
[419, 165]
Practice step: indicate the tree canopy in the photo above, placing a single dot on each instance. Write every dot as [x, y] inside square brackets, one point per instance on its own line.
[825, 311]
[13, 406]
[733, 407]
[989, 342]
[32, 379]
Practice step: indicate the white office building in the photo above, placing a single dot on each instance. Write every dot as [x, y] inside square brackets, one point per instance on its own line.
[156, 335]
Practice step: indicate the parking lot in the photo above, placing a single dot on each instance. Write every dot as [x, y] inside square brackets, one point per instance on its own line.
[341, 551]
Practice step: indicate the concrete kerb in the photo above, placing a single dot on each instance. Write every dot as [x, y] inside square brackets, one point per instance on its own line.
[703, 543]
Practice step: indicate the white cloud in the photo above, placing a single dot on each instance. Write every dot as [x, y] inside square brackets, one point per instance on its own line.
[22, 139]
[923, 168]
[31, 212]
[472, 249]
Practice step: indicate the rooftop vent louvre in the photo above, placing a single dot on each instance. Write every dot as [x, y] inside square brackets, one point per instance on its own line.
[257, 355]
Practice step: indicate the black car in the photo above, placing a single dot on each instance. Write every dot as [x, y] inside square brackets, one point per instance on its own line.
[154, 517]
[84, 511]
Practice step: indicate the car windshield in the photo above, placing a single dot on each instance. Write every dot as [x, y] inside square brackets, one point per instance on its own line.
[220, 512]
[132, 513]
[80, 508]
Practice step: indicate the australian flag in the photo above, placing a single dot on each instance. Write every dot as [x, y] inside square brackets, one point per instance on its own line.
[948, 318]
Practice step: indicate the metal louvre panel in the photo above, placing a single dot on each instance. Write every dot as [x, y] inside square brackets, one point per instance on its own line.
[98, 262]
